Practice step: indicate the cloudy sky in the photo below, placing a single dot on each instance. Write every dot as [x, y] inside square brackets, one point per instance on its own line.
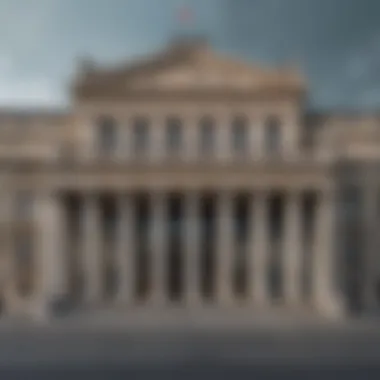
[336, 42]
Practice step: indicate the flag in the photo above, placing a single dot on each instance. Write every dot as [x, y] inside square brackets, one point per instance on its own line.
[185, 15]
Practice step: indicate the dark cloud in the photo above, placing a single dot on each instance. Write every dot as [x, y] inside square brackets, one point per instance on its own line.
[336, 40]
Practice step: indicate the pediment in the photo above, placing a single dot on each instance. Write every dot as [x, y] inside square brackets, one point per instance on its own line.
[189, 70]
[208, 70]
[189, 76]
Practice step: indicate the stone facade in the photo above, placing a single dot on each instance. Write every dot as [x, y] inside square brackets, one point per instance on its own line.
[188, 179]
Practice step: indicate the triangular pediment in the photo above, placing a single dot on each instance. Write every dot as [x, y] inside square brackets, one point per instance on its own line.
[192, 68]
[199, 72]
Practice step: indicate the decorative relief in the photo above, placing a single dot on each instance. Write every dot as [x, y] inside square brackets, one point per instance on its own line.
[196, 78]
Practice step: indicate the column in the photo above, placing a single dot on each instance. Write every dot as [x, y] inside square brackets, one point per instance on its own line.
[125, 250]
[291, 137]
[324, 256]
[50, 260]
[157, 134]
[91, 250]
[292, 252]
[252, 138]
[158, 247]
[259, 249]
[224, 248]
[88, 139]
[191, 245]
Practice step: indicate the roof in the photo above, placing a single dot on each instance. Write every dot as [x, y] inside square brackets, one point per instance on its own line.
[28, 115]
[185, 67]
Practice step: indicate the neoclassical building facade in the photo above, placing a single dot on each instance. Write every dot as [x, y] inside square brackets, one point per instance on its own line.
[188, 179]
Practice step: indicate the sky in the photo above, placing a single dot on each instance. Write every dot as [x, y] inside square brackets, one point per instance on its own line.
[336, 43]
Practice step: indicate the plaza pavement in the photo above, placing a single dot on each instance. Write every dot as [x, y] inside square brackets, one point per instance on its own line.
[138, 338]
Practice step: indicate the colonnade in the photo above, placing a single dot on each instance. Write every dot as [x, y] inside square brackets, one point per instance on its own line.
[55, 246]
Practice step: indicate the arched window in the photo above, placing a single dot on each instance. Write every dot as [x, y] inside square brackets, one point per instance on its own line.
[140, 135]
[240, 135]
[173, 135]
[107, 135]
[207, 136]
[273, 135]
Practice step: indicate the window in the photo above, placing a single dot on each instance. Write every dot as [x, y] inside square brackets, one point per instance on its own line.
[273, 135]
[107, 135]
[207, 136]
[23, 206]
[23, 249]
[23, 260]
[140, 136]
[239, 135]
[173, 135]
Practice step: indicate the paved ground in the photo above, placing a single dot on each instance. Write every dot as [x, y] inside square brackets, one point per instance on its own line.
[96, 349]
[111, 355]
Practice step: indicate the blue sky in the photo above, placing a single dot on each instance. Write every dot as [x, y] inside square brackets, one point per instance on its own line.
[337, 42]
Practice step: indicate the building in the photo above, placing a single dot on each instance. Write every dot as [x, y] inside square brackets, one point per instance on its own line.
[189, 179]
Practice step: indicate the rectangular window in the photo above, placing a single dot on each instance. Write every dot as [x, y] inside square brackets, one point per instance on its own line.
[273, 136]
[173, 136]
[239, 137]
[207, 137]
[23, 249]
[23, 206]
[23, 260]
[107, 136]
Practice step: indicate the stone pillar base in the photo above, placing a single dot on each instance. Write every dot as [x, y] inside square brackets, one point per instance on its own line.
[331, 307]
[225, 301]
[39, 312]
[158, 301]
[193, 299]
[124, 300]
[260, 299]
[15, 306]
